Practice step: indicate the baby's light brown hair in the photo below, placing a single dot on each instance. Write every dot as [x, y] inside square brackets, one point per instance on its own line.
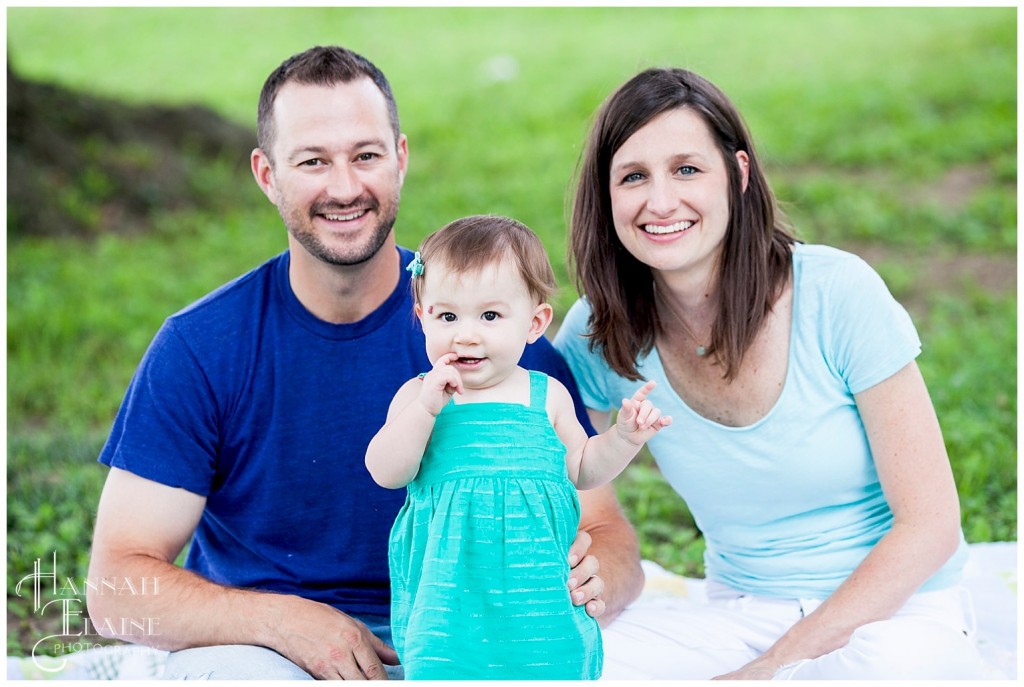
[469, 244]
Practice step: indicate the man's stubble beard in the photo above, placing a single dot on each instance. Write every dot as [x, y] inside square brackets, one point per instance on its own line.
[300, 226]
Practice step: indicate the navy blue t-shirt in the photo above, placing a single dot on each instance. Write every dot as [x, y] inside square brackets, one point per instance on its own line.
[247, 399]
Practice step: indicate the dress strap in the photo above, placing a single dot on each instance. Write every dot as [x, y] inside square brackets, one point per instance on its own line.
[538, 389]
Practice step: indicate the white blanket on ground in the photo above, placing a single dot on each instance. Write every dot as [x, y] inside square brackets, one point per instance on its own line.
[990, 575]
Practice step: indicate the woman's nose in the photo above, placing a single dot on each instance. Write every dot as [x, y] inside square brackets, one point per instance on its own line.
[661, 197]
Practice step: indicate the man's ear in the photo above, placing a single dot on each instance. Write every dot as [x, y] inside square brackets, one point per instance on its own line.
[263, 171]
[542, 316]
[402, 149]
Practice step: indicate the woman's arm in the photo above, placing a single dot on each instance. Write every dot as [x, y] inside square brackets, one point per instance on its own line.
[914, 471]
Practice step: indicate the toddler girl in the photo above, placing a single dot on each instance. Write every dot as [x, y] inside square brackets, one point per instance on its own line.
[492, 454]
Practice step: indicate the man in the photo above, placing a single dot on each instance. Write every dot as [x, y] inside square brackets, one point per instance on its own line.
[246, 424]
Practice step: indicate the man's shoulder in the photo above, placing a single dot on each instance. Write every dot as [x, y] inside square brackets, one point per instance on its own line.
[235, 299]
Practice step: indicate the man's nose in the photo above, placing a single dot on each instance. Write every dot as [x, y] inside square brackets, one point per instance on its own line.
[344, 184]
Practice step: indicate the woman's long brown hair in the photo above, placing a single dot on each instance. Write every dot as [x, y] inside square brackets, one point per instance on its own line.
[757, 252]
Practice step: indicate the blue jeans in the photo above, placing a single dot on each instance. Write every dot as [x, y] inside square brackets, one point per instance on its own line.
[246, 662]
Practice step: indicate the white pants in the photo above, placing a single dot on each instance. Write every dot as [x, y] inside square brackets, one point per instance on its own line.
[931, 637]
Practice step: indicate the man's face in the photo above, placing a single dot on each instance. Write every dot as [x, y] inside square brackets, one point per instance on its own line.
[337, 172]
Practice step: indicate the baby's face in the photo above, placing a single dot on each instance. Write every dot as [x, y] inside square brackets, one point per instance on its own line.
[486, 318]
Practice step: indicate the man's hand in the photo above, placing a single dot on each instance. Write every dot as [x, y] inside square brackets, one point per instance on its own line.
[328, 644]
[584, 584]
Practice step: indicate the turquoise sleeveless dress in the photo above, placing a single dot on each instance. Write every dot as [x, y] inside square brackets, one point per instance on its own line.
[479, 552]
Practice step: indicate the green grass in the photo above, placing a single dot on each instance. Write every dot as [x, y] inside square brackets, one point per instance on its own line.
[862, 115]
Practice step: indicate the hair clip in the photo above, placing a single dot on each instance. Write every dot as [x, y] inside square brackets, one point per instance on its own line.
[416, 266]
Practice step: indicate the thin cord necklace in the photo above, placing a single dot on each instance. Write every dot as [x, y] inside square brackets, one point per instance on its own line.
[701, 349]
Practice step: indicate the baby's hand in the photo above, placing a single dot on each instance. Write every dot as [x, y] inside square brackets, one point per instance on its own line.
[638, 419]
[440, 384]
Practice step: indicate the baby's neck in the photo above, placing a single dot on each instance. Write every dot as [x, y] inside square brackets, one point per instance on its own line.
[514, 388]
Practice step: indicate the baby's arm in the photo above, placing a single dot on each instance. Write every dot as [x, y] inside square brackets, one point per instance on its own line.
[393, 455]
[597, 460]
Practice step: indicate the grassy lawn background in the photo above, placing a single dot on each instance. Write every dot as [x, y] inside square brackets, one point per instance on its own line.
[891, 132]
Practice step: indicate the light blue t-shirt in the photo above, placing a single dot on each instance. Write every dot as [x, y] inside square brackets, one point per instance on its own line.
[790, 505]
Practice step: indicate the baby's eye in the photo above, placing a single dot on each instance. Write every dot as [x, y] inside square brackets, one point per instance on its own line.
[448, 316]
[490, 316]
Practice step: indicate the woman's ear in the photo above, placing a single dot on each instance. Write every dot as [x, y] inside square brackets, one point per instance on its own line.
[744, 160]
[542, 316]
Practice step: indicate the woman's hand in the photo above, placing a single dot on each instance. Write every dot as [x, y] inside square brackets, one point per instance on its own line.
[758, 669]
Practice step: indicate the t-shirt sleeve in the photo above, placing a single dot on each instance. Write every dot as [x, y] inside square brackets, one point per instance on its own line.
[587, 366]
[166, 428]
[870, 335]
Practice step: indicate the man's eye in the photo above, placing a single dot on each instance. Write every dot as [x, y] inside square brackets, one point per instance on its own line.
[448, 316]
[315, 162]
[490, 316]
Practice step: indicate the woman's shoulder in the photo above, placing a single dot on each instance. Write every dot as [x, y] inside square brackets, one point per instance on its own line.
[821, 256]
[817, 264]
[580, 310]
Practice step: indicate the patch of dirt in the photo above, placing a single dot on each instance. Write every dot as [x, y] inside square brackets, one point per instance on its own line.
[952, 191]
[937, 269]
[956, 187]
[944, 272]
[78, 164]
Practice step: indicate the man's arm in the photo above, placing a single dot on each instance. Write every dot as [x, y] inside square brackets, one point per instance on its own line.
[607, 549]
[605, 557]
[142, 526]
[611, 567]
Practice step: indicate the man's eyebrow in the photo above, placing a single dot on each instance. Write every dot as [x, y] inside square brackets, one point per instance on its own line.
[316, 150]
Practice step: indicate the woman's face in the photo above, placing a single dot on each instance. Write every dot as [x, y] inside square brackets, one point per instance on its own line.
[669, 190]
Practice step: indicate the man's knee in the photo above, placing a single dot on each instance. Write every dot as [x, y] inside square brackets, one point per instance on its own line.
[231, 662]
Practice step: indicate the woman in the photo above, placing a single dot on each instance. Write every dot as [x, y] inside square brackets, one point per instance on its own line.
[804, 440]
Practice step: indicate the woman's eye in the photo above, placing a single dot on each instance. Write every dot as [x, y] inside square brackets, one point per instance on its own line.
[633, 176]
[490, 315]
[686, 170]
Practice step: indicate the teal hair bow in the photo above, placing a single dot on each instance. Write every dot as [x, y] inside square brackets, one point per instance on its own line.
[416, 266]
